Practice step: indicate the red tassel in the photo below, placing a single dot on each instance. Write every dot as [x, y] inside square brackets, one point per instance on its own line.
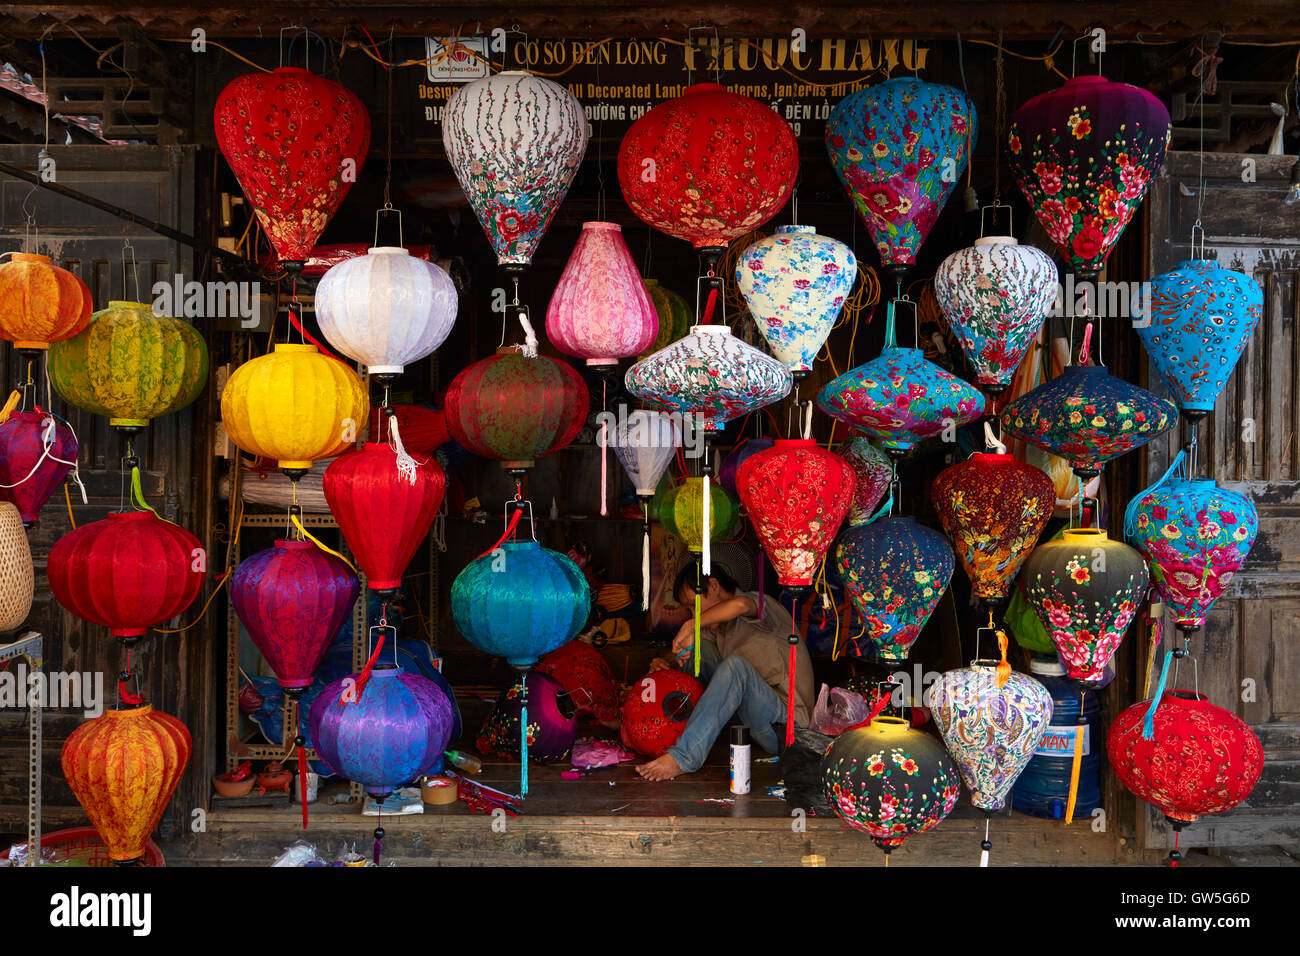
[127, 697]
[791, 692]
[359, 686]
[510, 529]
[708, 306]
[302, 783]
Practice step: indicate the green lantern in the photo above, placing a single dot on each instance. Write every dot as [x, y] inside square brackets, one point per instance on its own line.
[130, 365]
[681, 510]
[675, 317]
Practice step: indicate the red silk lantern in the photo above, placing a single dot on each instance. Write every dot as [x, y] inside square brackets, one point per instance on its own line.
[296, 142]
[129, 572]
[384, 503]
[993, 508]
[36, 453]
[709, 166]
[123, 767]
[656, 710]
[586, 677]
[516, 409]
[424, 430]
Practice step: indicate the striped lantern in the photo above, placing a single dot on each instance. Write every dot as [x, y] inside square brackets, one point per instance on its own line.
[37, 451]
[130, 365]
[386, 309]
[39, 302]
[674, 313]
[17, 580]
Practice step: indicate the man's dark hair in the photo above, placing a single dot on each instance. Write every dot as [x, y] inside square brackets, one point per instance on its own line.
[687, 575]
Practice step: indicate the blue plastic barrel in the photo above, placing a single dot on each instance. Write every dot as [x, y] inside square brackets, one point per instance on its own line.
[1043, 789]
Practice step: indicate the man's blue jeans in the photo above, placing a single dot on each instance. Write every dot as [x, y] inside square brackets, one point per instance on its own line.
[733, 687]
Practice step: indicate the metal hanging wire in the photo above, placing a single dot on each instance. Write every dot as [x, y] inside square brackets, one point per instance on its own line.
[135, 269]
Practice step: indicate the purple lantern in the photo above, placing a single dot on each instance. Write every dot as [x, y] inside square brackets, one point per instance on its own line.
[747, 447]
[552, 721]
[36, 453]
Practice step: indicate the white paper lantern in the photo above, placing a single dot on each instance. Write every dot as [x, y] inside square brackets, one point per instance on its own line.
[645, 443]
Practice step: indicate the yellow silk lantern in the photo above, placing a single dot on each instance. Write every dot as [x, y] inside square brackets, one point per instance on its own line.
[130, 365]
[39, 302]
[294, 405]
[681, 512]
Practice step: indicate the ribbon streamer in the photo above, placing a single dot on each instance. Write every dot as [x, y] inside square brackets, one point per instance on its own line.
[320, 544]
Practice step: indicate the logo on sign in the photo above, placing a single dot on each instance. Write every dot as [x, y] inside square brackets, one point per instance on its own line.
[1059, 742]
[456, 60]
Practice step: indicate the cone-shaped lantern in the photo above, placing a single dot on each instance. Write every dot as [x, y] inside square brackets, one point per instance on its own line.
[872, 473]
[681, 512]
[1084, 155]
[674, 316]
[37, 451]
[123, 768]
[600, 310]
[515, 142]
[17, 579]
[993, 508]
[296, 142]
[39, 302]
[795, 284]
[898, 148]
[644, 443]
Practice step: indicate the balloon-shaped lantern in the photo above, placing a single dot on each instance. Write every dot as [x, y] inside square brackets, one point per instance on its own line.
[645, 443]
[600, 310]
[872, 472]
[736, 457]
[995, 295]
[130, 365]
[128, 572]
[895, 570]
[39, 302]
[708, 166]
[1088, 416]
[17, 578]
[898, 148]
[295, 406]
[515, 142]
[681, 513]
[552, 721]
[37, 451]
[674, 313]
[123, 768]
[1084, 155]
[1202, 316]
[385, 502]
[386, 309]
[293, 598]
[296, 142]
[1086, 589]
[516, 409]
[586, 676]
[795, 284]
[993, 508]
[656, 711]
[889, 781]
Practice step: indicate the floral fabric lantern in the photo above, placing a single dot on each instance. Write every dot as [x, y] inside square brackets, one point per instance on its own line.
[515, 142]
[552, 722]
[296, 142]
[675, 317]
[681, 512]
[1084, 156]
[653, 721]
[708, 166]
[586, 677]
[795, 284]
[39, 302]
[17, 578]
[600, 310]
[899, 147]
[873, 472]
[130, 365]
[37, 451]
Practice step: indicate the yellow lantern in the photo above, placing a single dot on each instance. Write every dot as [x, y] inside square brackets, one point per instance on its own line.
[294, 405]
[39, 302]
[130, 365]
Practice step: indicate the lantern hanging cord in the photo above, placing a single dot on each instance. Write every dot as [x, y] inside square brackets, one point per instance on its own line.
[47, 442]
[1000, 118]
[307, 535]
[1048, 60]
[222, 579]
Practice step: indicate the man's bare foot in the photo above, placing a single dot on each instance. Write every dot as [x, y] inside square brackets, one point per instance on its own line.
[661, 768]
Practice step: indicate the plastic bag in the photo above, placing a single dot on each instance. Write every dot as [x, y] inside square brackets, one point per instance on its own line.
[300, 853]
[836, 710]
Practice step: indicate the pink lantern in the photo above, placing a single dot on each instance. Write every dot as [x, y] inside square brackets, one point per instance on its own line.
[600, 310]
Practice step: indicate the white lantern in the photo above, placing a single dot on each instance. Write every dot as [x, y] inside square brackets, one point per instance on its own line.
[386, 309]
[645, 443]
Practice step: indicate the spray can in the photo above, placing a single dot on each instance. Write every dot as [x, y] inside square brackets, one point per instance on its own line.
[740, 753]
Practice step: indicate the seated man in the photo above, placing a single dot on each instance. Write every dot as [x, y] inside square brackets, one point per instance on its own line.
[745, 664]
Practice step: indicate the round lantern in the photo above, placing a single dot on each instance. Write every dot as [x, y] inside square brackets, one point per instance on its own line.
[889, 781]
[39, 302]
[552, 722]
[585, 676]
[991, 729]
[675, 316]
[1195, 759]
[898, 148]
[796, 495]
[516, 409]
[293, 598]
[1196, 536]
[795, 284]
[130, 365]
[128, 572]
[995, 295]
[681, 512]
[895, 570]
[397, 728]
[600, 310]
[296, 142]
[1086, 589]
[1084, 155]
[645, 443]
[872, 475]
[710, 375]
[1202, 316]
[295, 406]
[515, 142]
[385, 505]
[123, 768]
[1088, 416]
[17, 580]
[386, 309]
[738, 456]
[708, 166]
[521, 603]
[423, 430]
[656, 710]
[993, 508]
[37, 451]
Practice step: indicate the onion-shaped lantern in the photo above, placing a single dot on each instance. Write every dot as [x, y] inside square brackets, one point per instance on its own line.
[130, 365]
[37, 451]
[872, 473]
[674, 313]
[681, 512]
[656, 710]
[40, 303]
[17, 579]
[552, 721]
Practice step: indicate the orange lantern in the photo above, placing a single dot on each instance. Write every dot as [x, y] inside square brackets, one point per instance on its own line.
[39, 302]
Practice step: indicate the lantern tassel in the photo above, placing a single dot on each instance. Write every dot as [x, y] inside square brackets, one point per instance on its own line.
[14, 398]
[405, 463]
[604, 470]
[705, 557]
[379, 829]
[359, 685]
[523, 737]
[1004, 668]
[529, 348]
[645, 569]
[1175, 855]
[302, 784]
[762, 562]
[991, 441]
[985, 846]
[1156, 636]
[1149, 719]
[1076, 764]
[316, 541]
[697, 628]
[790, 690]
[137, 493]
